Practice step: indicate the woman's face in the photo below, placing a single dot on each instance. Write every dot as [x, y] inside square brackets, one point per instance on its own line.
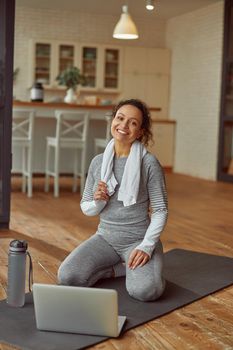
[126, 125]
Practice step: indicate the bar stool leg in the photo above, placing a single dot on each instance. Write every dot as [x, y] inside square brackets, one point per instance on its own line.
[75, 177]
[24, 169]
[29, 186]
[83, 171]
[56, 177]
[46, 188]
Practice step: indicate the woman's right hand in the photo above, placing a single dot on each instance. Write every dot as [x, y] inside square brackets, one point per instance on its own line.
[101, 192]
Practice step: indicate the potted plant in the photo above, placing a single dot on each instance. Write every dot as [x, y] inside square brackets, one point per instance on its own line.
[71, 77]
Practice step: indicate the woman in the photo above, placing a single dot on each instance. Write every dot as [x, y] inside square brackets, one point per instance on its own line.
[122, 184]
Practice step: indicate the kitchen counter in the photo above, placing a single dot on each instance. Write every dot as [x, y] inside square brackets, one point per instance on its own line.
[97, 112]
[45, 125]
[62, 105]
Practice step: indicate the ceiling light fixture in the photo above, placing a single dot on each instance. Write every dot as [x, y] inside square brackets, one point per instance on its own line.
[150, 5]
[125, 27]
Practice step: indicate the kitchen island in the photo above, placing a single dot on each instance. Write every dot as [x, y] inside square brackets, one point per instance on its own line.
[45, 126]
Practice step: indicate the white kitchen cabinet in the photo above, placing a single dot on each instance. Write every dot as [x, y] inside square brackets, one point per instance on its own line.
[41, 62]
[157, 92]
[112, 68]
[146, 75]
[89, 66]
[158, 61]
[100, 64]
[164, 142]
[48, 58]
[134, 86]
[67, 55]
[135, 60]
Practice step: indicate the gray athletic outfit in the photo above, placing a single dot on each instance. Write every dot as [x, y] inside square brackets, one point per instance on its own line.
[120, 231]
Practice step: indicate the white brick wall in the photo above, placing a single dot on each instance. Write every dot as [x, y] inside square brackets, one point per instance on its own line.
[72, 26]
[196, 40]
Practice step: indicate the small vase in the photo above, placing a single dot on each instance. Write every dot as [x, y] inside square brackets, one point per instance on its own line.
[71, 96]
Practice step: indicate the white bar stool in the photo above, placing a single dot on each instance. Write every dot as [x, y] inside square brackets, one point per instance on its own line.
[23, 137]
[101, 143]
[71, 133]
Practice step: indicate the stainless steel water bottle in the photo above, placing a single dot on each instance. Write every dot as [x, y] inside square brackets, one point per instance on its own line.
[16, 273]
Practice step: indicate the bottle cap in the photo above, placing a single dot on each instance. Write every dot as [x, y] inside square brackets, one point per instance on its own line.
[18, 245]
[38, 85]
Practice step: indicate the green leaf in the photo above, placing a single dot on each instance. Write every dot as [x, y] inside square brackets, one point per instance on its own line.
[71, 77]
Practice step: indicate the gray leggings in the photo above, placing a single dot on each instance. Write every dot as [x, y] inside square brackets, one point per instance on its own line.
[95, 258]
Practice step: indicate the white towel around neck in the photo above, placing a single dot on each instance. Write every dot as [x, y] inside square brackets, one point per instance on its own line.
[129, 187]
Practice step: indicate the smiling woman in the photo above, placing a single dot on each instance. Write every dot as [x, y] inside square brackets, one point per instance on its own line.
[122, 184]
[140, 112]
[126, 128]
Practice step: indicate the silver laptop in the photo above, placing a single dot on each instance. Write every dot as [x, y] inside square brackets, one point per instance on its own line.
[81, 310]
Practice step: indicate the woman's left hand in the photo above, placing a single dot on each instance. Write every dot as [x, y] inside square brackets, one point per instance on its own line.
[137, 258]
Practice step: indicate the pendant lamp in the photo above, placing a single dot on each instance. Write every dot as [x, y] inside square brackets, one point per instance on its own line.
[125, 28]
[150, 5]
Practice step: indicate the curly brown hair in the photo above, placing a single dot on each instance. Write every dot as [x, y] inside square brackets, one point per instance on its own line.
[147, 135]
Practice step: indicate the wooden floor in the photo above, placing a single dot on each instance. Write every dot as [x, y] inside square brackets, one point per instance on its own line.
[200, 219]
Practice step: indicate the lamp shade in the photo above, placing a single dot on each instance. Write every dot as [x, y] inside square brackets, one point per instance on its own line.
[125, 28]
[150, 5]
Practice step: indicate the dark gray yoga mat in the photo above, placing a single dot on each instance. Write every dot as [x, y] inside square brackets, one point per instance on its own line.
[190, 276]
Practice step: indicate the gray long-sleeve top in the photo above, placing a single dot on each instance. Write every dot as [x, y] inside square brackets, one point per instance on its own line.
[124, 223]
